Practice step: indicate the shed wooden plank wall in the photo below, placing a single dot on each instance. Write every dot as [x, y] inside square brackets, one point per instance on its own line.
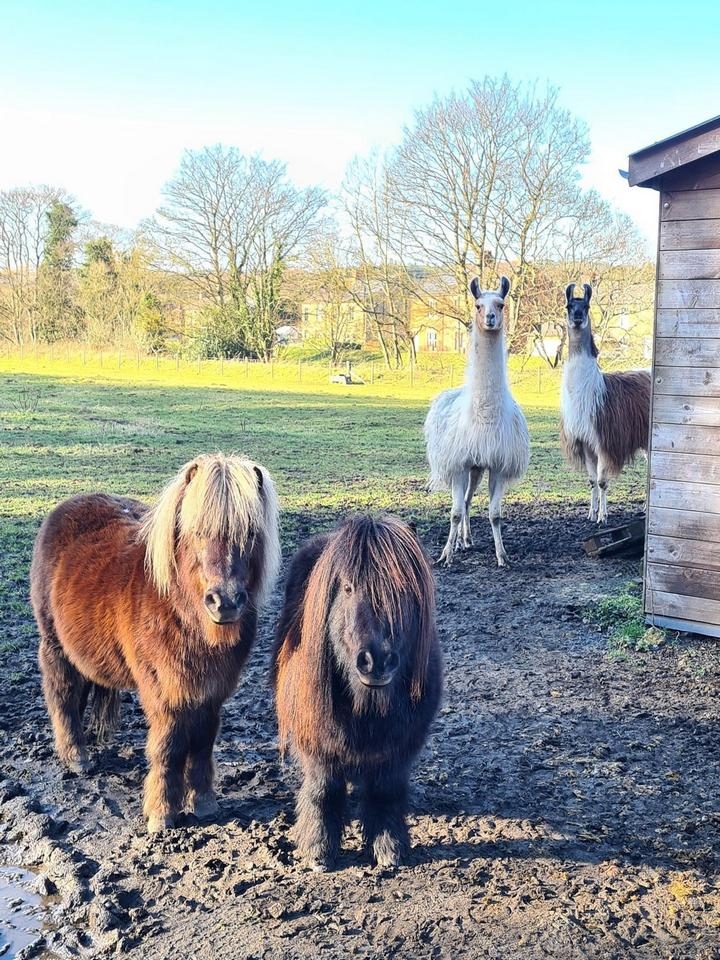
[682, 582]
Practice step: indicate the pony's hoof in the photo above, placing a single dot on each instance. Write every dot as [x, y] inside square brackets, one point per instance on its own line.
[77, 762]
[160, 822]
[205, 805]
[387, 852]
[503, 560]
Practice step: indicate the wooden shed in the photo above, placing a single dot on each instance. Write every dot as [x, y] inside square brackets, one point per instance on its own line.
[682, 555]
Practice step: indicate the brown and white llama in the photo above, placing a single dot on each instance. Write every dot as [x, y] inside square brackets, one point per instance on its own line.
[478, 427]
[605, 417]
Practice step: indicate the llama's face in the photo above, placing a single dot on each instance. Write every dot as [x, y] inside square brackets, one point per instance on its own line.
[489, 306]
[578, 308]
[578, 314]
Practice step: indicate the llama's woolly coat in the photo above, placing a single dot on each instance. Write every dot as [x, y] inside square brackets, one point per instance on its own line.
[464, 431]
[605, 412]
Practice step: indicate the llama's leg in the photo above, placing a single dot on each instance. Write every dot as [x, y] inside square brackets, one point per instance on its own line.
[457, 513]
[591, 465]
[320, 810]
[497, 485]
[384, 804]
[200, 796]
[65, 689]
[166, 749]
[603, 475]
[473, 481]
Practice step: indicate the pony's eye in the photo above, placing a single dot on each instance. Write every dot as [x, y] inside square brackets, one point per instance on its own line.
[347, 588]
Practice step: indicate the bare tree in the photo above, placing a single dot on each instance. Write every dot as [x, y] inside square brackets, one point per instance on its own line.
[24, 229]
[598, 245]
[478, 182]
[381, 283]
[232, 224]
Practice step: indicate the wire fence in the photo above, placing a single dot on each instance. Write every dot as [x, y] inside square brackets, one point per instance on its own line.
[436, 371]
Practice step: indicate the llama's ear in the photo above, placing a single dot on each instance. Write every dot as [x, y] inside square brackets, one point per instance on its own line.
[190, 472]
[504, 287]
[569, 291]
[475, 288]
[588, 292]
[260, 478]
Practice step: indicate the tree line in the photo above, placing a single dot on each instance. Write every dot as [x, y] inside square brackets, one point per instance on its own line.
[483, 181]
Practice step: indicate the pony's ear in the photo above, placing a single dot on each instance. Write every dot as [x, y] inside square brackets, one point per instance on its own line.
[504, 287]
[190, 472]
[260, 478]
[569, 291]
[413, 527]
[588, 293]
[475, 288]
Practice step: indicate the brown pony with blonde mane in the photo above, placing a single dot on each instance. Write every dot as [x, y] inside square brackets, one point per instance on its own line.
[163, 600]
[357, 677]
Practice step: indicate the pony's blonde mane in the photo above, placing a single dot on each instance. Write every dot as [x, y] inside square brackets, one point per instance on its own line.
[221, 497]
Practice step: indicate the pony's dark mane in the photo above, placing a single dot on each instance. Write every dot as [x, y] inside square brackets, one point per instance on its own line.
[383, 556]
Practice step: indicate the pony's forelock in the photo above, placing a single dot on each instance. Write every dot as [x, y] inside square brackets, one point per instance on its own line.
[383, 556]
[217, 497]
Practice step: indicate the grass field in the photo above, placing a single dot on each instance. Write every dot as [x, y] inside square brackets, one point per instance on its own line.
[75, 426]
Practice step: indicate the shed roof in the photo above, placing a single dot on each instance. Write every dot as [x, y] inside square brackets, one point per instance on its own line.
[648, 166]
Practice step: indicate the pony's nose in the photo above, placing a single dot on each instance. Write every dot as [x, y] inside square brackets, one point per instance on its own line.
[365, 662]
[392, 661]
[213, 600]
[217, 602]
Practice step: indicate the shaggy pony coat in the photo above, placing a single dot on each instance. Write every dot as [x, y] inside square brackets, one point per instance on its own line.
[118, 594]
[341, 731]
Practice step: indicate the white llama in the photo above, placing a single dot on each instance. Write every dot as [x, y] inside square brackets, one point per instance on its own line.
[478, 427]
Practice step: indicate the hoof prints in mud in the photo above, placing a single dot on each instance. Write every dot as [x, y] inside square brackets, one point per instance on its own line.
[566, 805]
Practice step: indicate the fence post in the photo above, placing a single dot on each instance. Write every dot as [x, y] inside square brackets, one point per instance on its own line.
[372, 371]
[222, 365]
[539, 379]
[412, 371]
[157, 361]
[101, 358]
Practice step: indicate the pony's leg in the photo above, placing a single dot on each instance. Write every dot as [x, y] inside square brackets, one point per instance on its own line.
[473, 481]
[320, 810]
[166, 750]
[384, 804]
[457, 513]
[497, 485]
[65, 690]
[591, 465]
[200, 796]
[603, 475]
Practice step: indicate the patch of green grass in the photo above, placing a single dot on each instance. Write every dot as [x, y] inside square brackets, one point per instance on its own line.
[332, 449]
[621, 616]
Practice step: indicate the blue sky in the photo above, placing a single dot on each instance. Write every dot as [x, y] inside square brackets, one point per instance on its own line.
[101, 98]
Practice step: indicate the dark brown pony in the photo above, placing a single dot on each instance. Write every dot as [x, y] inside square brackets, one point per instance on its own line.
[160, 599]
[357, 677]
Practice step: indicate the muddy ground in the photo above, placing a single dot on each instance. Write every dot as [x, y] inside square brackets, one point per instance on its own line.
[567, 804]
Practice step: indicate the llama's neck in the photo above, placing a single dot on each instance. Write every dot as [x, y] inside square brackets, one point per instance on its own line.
[583, 387]
[582, 344]
[486, 374]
